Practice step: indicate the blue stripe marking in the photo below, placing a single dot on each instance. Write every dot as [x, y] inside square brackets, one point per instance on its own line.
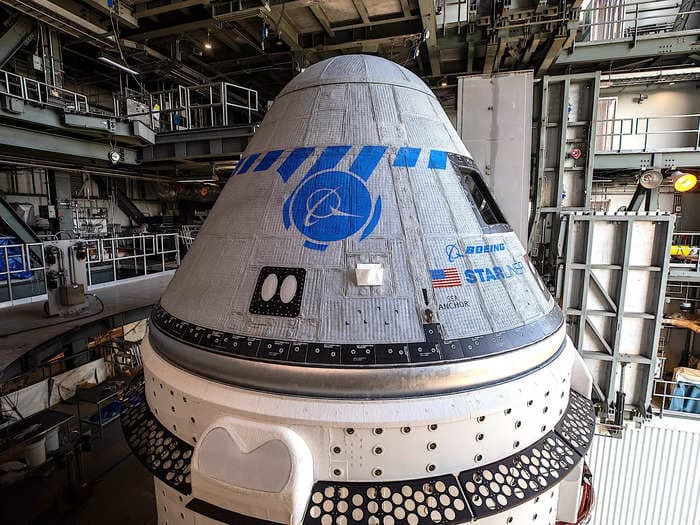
[437, 159]
[367, 160]
[285, 212]
[329, 159]
[248, 163]
[292, 163]
[268, 160]
[239, 165]
[407, 157]
[315, 246]
[374, 220]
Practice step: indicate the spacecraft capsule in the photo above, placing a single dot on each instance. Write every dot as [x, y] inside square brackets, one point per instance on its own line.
[356, 335]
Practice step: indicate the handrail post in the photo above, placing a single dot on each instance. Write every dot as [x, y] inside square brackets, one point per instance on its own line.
[187, 106]
[224, 101]
[646, 134]
[143, 250]
[9, 275]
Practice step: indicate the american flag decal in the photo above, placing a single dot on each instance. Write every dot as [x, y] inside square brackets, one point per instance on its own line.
[445, 278]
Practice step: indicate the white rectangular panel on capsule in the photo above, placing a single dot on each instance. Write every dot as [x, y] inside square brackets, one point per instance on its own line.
[369, 274]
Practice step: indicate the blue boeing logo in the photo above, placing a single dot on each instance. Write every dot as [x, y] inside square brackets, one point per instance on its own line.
[328, 204]
[332, 206]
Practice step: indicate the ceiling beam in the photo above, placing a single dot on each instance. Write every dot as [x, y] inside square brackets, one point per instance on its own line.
[222, 36]
[405, 8]
[531, 48]
[366, 44]
[427, 14]
[361, 10]
[123, 12]
[289, 34]
[552, 53]
[160, 57]
[187, 27]
[174, 6]
[63, 20]
[18, 34]
[322, 18]
[499, 55]
[490, 58]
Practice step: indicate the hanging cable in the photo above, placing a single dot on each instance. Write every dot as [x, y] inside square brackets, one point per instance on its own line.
[115, 31]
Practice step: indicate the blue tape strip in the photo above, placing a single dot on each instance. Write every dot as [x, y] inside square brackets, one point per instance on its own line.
[367, 160]
[437, 159]
[329, 159]
[268, 160]
[407, 157]
[292, 163]
[248, 163]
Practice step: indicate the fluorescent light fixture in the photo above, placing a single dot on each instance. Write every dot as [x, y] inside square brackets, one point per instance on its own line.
[112, 62]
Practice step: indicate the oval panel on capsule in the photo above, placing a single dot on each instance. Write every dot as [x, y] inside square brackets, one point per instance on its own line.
[269, 287]
[288, 289]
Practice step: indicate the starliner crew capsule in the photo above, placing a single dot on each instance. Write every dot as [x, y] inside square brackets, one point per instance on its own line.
[356, 335]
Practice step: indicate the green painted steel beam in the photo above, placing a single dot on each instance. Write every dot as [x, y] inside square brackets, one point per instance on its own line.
[646, 160]
[34, 141]
[662, 44]
[15, 37]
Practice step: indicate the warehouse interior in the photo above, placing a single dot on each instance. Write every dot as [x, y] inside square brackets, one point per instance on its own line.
[121, 121]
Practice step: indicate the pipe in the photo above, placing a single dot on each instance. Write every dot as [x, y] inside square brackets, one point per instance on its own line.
[105, 173]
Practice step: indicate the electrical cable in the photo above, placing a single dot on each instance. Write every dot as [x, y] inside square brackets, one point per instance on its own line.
[72, 319]
[587, 499]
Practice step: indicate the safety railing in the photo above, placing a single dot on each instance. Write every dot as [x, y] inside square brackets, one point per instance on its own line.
[606, 20]
[192, 107]
[117, 258]
[22, 271]
[36, 92]
[53, 368]
[649, 134]
[188, 232]
[685, 249]
[676, 398]
[23, 267]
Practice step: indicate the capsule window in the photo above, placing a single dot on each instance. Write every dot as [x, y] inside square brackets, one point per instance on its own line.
[481, 199]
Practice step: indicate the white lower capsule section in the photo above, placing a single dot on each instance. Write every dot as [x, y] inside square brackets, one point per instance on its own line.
[258, 454]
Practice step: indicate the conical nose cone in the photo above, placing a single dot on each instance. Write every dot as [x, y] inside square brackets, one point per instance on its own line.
[356, 163]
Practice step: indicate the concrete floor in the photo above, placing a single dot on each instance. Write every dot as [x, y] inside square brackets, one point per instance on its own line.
[26, 326]
[119, 489]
